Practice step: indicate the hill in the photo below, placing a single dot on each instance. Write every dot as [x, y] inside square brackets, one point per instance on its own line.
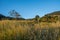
[2, 17]
[54, 13]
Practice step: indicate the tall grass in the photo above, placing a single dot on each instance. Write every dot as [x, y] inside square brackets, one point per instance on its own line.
[17, 30]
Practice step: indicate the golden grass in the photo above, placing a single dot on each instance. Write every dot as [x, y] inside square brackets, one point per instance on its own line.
[23, 30]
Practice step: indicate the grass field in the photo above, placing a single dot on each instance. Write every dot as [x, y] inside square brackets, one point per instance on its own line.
[28, 30]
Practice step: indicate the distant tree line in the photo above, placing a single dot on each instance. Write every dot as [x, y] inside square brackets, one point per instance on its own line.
[14, 15]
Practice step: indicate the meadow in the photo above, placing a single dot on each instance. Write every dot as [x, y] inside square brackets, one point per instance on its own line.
[28, 30]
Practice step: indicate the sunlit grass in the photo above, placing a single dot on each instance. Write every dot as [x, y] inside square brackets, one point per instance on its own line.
[20, 30]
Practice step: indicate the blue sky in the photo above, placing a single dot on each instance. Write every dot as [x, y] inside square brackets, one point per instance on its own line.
[29, 8]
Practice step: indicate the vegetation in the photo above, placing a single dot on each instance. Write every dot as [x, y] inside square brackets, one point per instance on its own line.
[44, 28]
[18, 30]
[37, 18]
[14, 14]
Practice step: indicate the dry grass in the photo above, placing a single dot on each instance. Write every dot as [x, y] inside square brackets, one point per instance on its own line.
[28, 30]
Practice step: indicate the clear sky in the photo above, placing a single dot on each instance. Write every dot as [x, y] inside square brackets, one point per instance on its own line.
[29, 8]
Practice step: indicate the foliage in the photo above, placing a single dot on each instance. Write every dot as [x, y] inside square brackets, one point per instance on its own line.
[37, 18]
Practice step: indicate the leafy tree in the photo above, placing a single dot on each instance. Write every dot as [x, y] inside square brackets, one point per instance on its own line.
[49, 18]
[37, 18]
[56, 18]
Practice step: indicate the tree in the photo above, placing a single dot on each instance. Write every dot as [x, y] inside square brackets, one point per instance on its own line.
[49, 18]
[14, 14]
[37, 18]
[56, 18]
